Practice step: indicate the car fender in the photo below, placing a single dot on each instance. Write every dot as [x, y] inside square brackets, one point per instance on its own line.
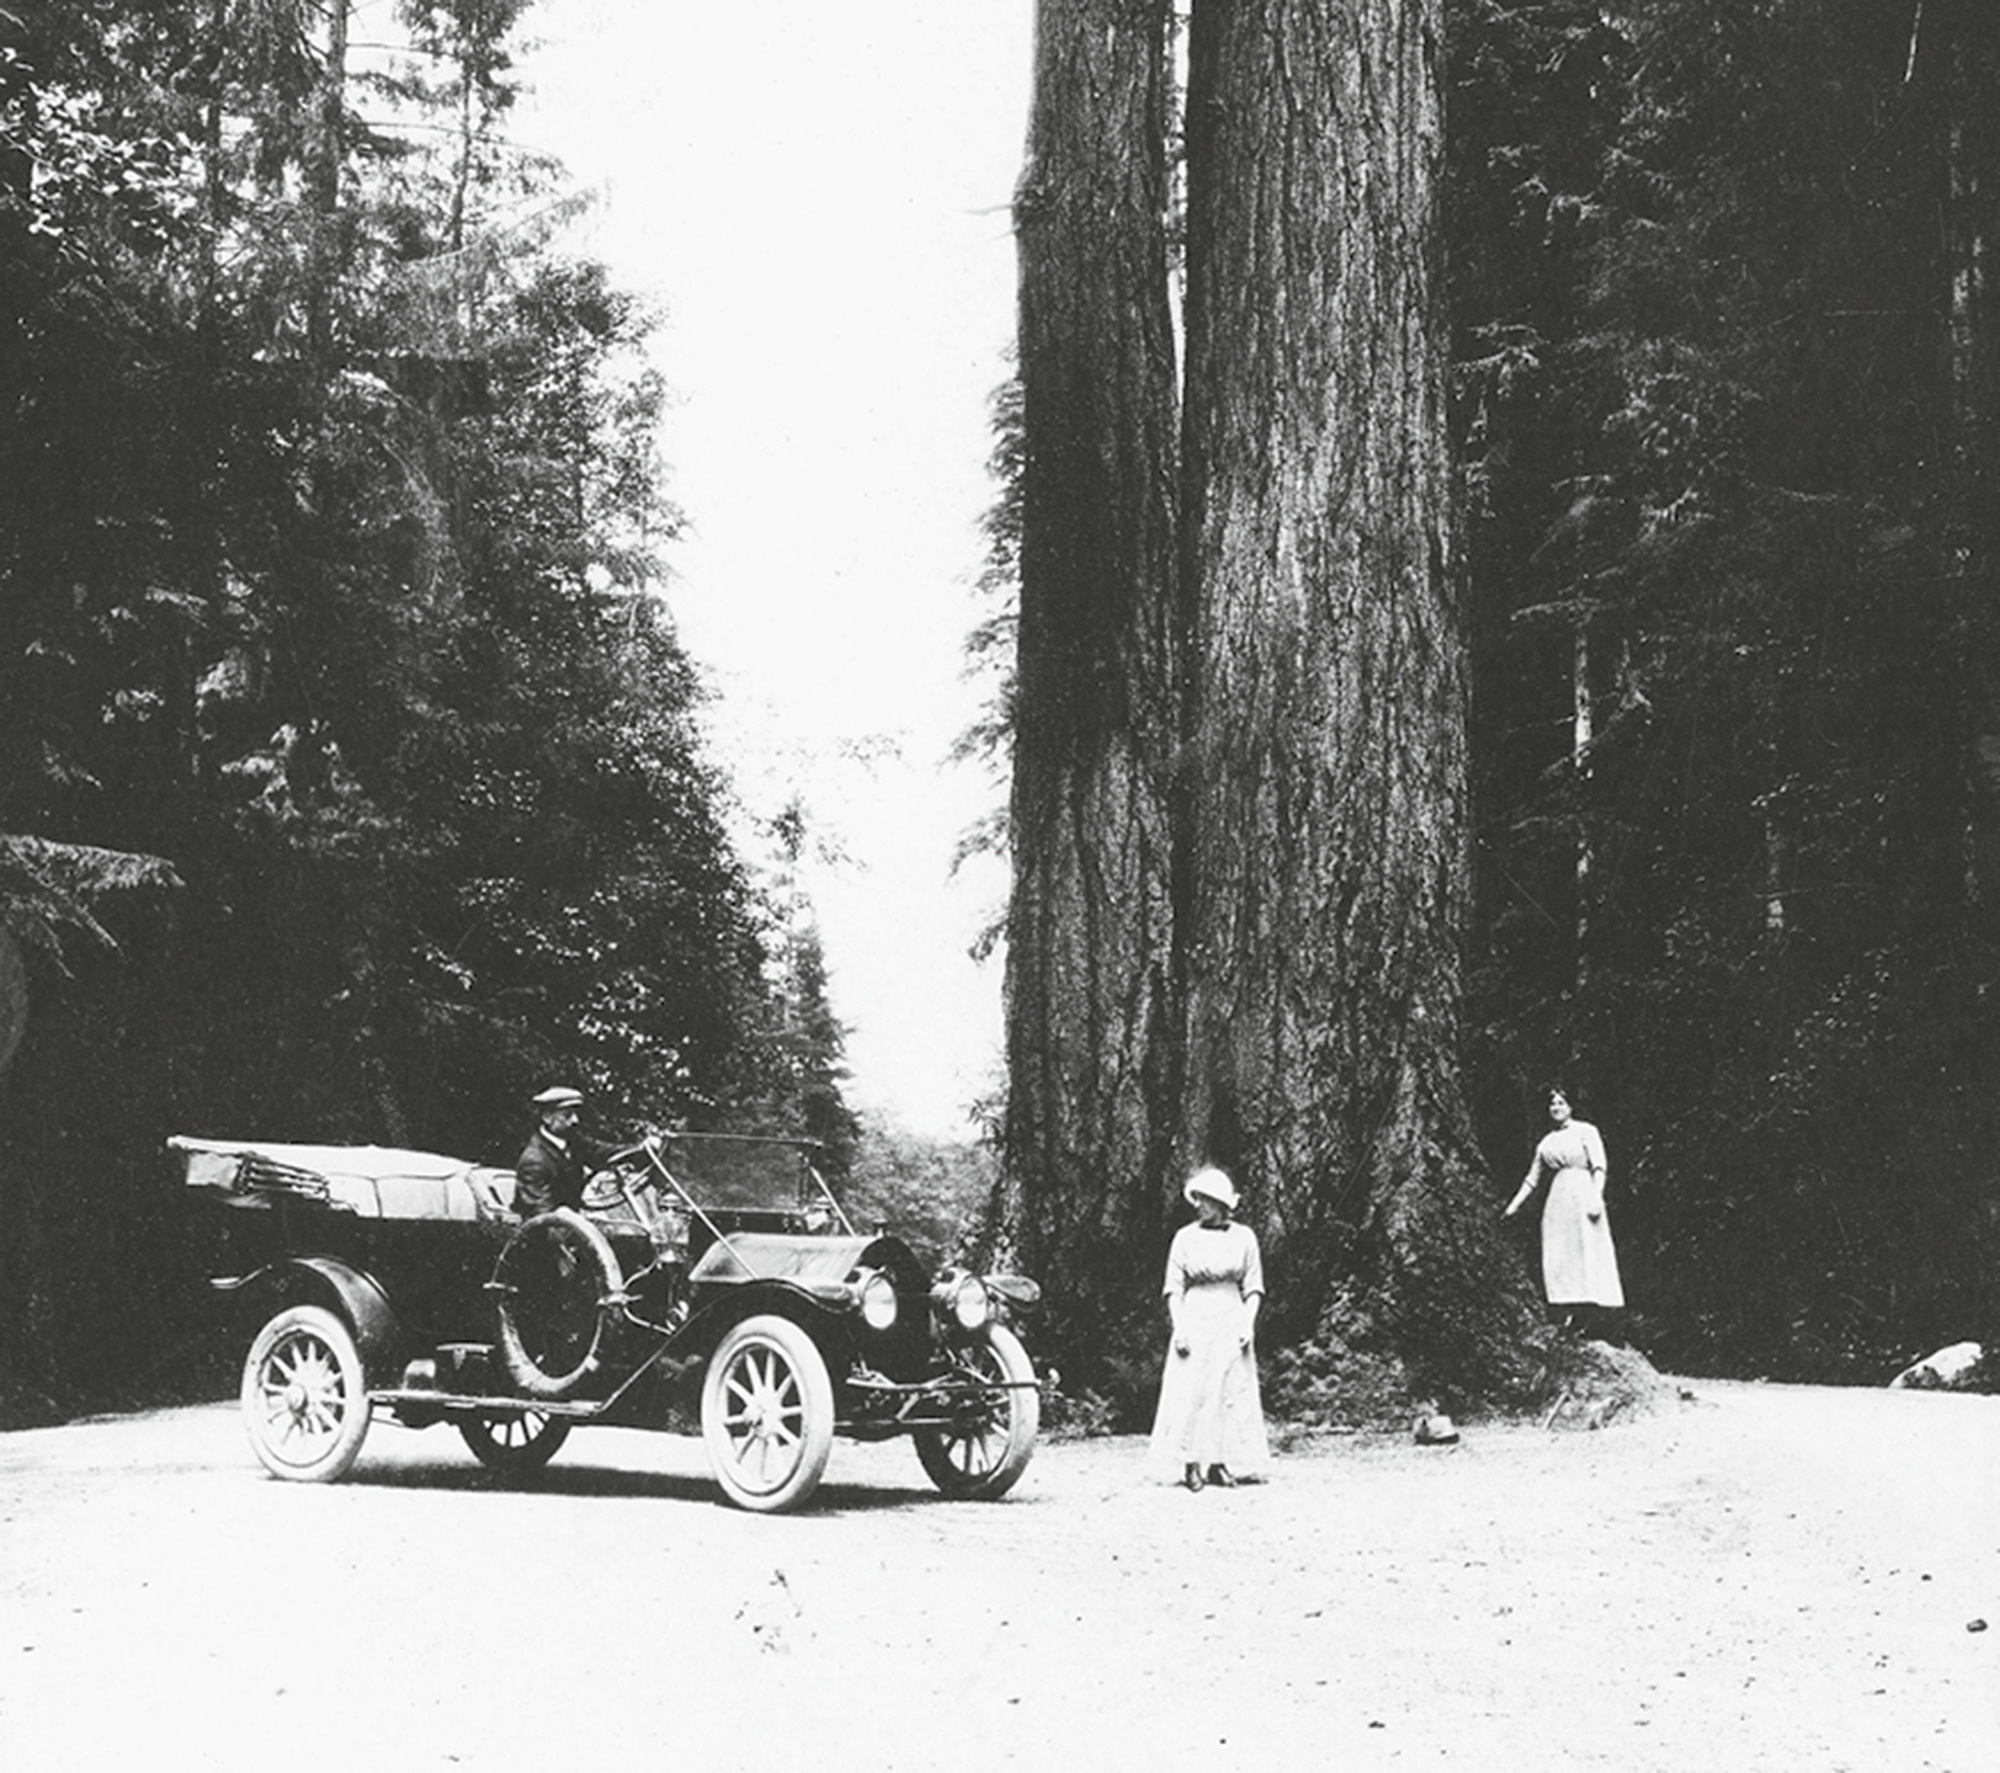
[355, 1296]
[825, 1319]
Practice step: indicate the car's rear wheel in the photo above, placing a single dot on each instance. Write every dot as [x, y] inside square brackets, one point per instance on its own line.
[982, 1454]
[525, 1442]
[767, 1415]
[554, 1280]
[305, 1396]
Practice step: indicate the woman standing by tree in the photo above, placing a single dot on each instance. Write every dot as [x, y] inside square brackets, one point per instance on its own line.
[1211, 1415]
[1579, 1264]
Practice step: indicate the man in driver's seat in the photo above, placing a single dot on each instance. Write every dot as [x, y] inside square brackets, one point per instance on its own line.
[557, 1160]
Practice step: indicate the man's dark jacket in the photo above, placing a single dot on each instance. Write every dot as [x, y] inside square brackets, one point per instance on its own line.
[548, 1176]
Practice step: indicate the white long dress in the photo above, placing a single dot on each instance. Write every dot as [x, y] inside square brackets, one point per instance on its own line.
[1579, 1262]
[1211, 1410]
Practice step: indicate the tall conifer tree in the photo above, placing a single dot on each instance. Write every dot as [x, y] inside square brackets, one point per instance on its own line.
[1091, 1034]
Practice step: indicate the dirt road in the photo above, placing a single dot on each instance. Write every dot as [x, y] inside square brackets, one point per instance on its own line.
[1768, 1579]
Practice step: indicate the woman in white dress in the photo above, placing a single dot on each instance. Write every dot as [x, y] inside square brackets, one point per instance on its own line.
[1210, 1425]
[1579, 1264]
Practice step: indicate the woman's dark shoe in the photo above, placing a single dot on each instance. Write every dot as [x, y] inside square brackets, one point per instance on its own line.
[1193, 1478]
[1222, 1477]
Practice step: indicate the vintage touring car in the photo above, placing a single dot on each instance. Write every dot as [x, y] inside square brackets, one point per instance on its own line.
[708, 1277]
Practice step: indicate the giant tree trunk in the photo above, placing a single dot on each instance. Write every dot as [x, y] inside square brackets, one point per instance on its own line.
[1089, 1009]
[1967, 63]
[1325, 722]
[326, 157]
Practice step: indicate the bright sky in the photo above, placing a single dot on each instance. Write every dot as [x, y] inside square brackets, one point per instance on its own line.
[819, 196]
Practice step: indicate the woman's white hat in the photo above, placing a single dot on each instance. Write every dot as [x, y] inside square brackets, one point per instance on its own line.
[1214, 1183]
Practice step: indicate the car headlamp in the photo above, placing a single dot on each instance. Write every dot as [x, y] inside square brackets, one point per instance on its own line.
[968, 1303]
[878, 1301]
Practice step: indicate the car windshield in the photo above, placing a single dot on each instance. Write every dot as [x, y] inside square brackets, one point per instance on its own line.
[744, 1173]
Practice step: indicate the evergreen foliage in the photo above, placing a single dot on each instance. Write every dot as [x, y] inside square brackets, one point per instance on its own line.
[352, 780]
[810, 1040]
[1713, 418]
[932, 1191]
[328, 519]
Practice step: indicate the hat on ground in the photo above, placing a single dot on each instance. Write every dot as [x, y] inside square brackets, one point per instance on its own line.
[1215, 1184]
[560, 1097]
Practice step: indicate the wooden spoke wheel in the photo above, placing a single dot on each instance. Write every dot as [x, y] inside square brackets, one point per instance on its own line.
[526, 1442]
[767, 1415]
[981, 1456]
[305, 1396]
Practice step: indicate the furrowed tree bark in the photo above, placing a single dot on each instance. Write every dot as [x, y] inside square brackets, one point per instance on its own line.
[1326, 879]
[1090, 1015]
[1968, 60]
[326, 157]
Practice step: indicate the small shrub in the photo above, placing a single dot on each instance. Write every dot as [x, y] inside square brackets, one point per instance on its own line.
[1078, 1415]
[1344, 1375]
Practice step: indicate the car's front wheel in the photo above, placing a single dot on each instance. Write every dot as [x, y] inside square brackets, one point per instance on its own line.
[767, 1415]
[981, 1455]
[526, 1442]
[305, 1396]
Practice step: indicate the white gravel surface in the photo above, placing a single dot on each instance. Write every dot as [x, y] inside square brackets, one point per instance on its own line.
[1765, 1579]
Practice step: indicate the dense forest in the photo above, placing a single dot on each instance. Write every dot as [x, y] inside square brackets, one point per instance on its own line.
[1716, 334]
[1725, 402]
[352, 777]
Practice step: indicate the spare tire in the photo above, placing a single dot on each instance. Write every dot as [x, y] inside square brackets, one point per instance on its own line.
[557, 1283]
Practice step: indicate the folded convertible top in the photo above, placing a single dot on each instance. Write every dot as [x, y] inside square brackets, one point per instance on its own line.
[373, 1181]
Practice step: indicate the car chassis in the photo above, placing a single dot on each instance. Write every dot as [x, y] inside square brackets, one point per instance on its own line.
[401, 1283]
